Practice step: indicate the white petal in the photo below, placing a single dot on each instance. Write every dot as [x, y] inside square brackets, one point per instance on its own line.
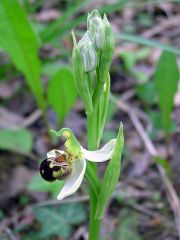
[100, 155]
[52, 153]
[73, 181]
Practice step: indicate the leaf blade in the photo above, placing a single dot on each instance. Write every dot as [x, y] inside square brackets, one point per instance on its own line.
[111, 175]
[166, 82]
[20, 42]
[62, 87]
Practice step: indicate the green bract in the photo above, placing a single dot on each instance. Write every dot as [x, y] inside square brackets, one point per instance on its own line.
[111, 175]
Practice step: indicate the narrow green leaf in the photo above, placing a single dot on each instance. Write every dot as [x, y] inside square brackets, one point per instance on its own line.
[111, 175]
[18, 39]
[58, 27]
[166, 82]
[18, 141]
[62, 92]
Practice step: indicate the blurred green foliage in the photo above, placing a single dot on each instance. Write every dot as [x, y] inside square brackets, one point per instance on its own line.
[62, 93]
[58, 220]
[19, 141]
[128, 226]
[21, 43]
[37, 184]
[166, 81]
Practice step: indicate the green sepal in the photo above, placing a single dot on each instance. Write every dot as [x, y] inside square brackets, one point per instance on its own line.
[88, 52]
[72, 145]
[111, 176]
[80, 77]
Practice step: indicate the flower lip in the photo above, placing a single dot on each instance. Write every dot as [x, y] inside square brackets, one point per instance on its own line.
[56, 166]
[46, 172]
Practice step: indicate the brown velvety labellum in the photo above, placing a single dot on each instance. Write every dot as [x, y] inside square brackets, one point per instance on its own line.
[46, 172]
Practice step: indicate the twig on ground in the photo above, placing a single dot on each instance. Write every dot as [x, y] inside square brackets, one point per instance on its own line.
[171, 193]
[33, 117]
[169, 22]
[14, 121]
[148, 212]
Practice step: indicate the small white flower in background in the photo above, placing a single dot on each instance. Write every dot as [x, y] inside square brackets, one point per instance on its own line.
[70, 165]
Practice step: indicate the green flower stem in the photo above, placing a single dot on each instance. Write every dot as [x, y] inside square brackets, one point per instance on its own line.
[92, 128]
[95, 126]
[94, 224]
[92, 132]
[92, 179]
[97, 93]
[98, 88]
[90, 82]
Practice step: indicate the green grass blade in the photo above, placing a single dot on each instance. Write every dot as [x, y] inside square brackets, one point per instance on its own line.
[60, 25]
[18, 39]
[111, 175]
[147, 42]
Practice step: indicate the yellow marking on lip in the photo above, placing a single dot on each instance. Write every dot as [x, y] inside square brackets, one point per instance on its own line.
[51, 165]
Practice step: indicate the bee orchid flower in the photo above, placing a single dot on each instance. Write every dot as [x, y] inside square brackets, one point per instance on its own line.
[70, 165]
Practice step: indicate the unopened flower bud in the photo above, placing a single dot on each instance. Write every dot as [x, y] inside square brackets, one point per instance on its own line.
[107, 51]
[96, 27]
[80, 77]
[88, 52]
